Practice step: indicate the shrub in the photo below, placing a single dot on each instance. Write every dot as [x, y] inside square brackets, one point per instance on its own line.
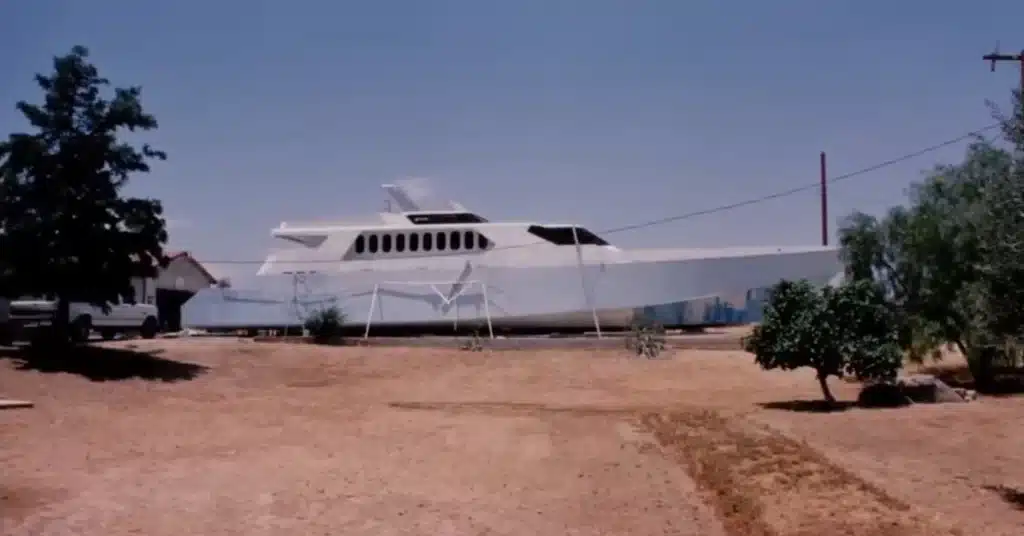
[325, 325]
[473, 343]
[646, 339]
[847, 330]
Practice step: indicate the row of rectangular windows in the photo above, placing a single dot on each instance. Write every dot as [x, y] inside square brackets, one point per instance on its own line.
[429, 241]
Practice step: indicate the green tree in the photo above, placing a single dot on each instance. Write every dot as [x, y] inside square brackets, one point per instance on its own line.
[1000, 281]
[6, 248]
[847, 330]
[67, 229]
[951, 260]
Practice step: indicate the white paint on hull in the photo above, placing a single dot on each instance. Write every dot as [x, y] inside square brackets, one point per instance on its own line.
[522, 271]
[516, 296]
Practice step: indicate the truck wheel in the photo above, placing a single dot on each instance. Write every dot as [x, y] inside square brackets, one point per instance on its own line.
[81, 328]
[149, 328]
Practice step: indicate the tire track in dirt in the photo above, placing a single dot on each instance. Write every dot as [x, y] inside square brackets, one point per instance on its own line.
[762, 483]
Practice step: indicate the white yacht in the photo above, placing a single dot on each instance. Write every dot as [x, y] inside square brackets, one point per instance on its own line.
[439, 265]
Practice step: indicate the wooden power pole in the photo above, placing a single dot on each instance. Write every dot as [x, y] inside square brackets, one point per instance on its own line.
[996, 57]
[824, 200]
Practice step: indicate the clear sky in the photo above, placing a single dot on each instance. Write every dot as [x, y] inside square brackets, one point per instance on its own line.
[602, 112]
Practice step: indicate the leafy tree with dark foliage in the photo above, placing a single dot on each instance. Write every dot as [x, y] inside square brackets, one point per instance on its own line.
[65, 229]
[7, 290]
[848, 330]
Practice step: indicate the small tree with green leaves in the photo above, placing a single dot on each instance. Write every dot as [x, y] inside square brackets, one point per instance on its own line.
[841, 331]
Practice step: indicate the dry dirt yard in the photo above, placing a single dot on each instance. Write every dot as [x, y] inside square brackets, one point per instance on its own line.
[218, 437]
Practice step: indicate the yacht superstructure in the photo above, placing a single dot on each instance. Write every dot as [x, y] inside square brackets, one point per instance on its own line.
[439, 264]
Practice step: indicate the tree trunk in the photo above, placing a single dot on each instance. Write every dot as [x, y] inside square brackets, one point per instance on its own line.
[823, 383]
[980, 362]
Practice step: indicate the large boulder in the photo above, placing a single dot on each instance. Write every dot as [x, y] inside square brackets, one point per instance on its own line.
[915, 388]
[967, 394]
[925, 388]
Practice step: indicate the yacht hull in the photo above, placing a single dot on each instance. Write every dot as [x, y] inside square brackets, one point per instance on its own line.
[673, 292]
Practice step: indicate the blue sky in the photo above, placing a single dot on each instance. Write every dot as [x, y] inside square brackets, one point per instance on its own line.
[601, 112]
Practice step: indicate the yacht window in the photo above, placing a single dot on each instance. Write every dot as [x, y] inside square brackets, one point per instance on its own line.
[563, 236]
[400, 242]
[469, 240]
[456, 240]
[442, 238]
[428, 241]
[414, 241]
[385, 243]
[373, 243]
[444, 218]
[482, 241]
[360, 244]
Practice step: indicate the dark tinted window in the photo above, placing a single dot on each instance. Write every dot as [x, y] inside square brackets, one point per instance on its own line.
[563, 236]
[373, 243]
[456, 240]
[428, 241]
[414, 242]
[445, 217]
[360, 244]
[470, 235]
[385, 243]
[483, 241]
[400, 242]
[442, 238]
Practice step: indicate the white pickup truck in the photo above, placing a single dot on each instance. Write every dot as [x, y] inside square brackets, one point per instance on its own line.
[27, 314]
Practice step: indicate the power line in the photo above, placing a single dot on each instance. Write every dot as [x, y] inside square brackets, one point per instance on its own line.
[804, 188]
[721, 208]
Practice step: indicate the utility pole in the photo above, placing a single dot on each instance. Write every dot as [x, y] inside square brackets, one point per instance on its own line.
[997, 57]
[824, 200]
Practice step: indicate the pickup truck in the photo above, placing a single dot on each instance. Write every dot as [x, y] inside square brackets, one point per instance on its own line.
[29, 314]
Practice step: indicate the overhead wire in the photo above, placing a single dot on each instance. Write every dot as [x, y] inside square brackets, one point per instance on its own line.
[713, 210]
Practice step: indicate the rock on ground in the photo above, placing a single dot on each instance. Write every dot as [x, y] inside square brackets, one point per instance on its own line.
[915, 388]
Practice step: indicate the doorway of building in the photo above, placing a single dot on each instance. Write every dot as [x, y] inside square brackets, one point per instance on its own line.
[168, 307]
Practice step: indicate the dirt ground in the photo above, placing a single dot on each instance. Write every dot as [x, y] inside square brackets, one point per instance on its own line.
[220, 437]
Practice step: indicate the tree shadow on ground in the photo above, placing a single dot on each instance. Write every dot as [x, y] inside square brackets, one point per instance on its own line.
[1006, 381]
[1013, 496]
[809, 406]
[102, 364]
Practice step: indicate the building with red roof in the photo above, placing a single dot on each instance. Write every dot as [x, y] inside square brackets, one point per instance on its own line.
[178, 281]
